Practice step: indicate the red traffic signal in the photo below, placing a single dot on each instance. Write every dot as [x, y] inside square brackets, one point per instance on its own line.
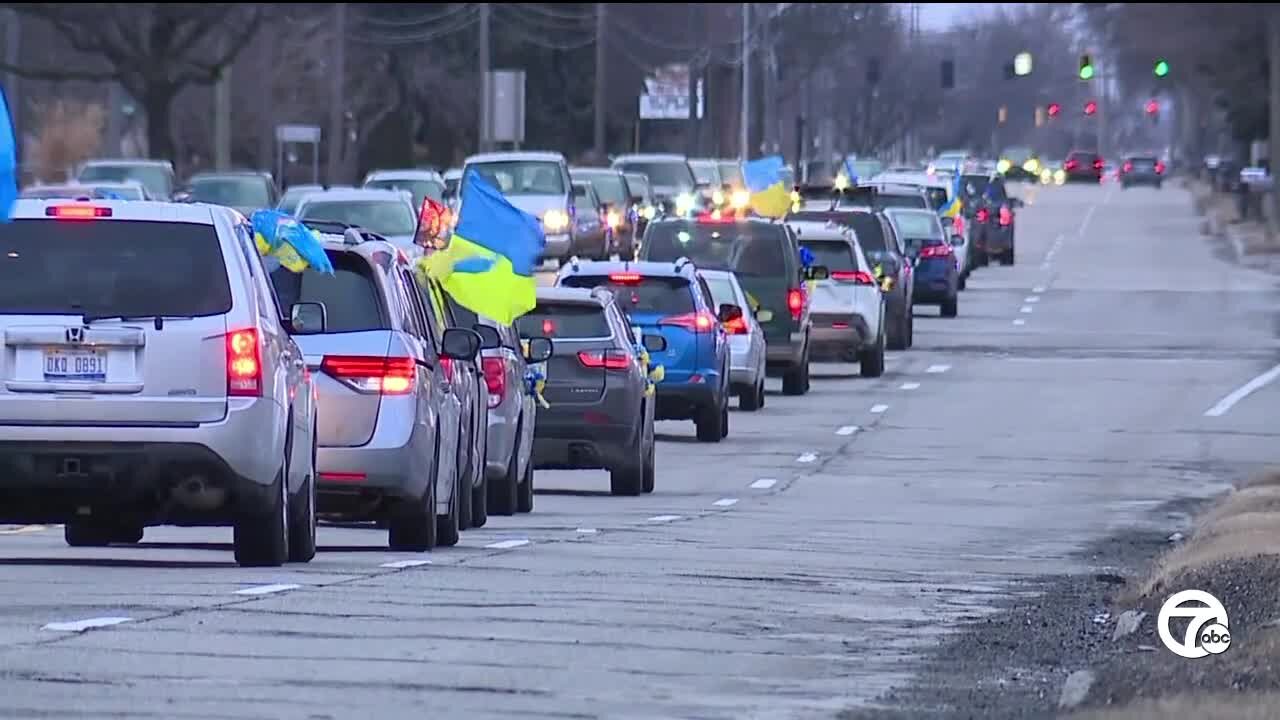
[1091, 107]
[1054, 109]
[1153, 107]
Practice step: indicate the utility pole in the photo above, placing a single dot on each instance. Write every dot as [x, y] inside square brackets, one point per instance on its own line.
[337, 89]
[769, 133]
[222, 118]
[743, 148]
[600, 83]
[691, 139]
[485, 91]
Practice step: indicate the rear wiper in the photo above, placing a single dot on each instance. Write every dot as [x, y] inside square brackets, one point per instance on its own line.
[159, 319]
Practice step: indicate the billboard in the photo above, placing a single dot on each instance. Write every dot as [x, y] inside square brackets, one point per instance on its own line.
[666, 95]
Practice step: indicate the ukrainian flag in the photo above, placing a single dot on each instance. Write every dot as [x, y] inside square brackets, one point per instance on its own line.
[282, 239]
[953, 208]
[769, 196]
[489, 262]
[8, 161]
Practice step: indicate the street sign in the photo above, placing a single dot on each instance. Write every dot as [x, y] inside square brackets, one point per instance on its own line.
[507, 107]
[298, 134]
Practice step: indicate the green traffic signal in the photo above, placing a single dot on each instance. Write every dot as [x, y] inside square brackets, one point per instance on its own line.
[1162, 68]
[1086, 72]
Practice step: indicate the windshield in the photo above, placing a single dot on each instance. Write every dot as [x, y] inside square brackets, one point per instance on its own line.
[583, 202]
[731, 173]
[754, 249]
[670, 174]
[639, 186]
[663, 295]
[127, 267]
[154, 178]
[705, 173]
[289, 202]
[834, 255]
[1017, 155]
[523, 177]
[916, 225]
[350, 295]
[608, 186]
[420, 189]
[867, 168]
[384, 217]
[231, 192]
[564, 320]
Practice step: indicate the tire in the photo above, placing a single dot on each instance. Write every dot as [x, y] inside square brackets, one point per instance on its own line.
[724, 419]
[465, 486]
[872, 360]
[897, 340]
[86, 533]
[524, 498]
[261, 539]
[710, 423]
[796, 381]
[412, 525]
[129, 535]
[448, 526]
[964, 280]
[628, 479]
[752, 400]
[503, 495]
[1008, 257]
[480, 502]
[949, 307]
[911, 328]
[302, 515]
[650, 472]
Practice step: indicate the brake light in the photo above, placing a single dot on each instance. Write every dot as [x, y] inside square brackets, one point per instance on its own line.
[495, 378]
[1128, 167]
[624, 278]
[548, 326]
[372, 375]
[716, 217]
[1159, 168]
[935, 251]
[77, 212]
[795, 302]
[859, 277]
[1097, 164]
[698, 322]
[1071, 164]
[736, 326]
[606, 359]
[244, 364]
[1006, 216]
[982, 215]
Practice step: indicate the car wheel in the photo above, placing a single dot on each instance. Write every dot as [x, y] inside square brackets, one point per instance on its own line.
[872, 360]
[448, 526]
[88, 533]
[524, 499]
[724, 419]
[709, 423]
[949, 306]
[302, 514]
[129, 535]
[796, 380]
[412, 525]
[964, 280]
[628, 478]
[261, 538]
[480, 500]
[897, 339]
[465, 484]
[752, 399]
[760, 391]
[911, 328]
[650, 463]
[503, 494]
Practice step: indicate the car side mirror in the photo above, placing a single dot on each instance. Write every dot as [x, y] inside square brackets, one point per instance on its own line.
[764, 315]
[817, 272]
[730, 312]
[308, 318]
[460, 344]
[655, 343]
[489, 337]
[539, 350]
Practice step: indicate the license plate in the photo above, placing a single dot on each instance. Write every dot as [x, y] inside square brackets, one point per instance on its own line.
[75, 365]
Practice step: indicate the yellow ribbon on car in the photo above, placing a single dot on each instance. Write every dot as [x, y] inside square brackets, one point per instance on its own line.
[536, 379]
[886, 283]
[653, 375]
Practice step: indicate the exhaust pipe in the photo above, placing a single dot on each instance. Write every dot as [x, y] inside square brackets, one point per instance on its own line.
[195, 493]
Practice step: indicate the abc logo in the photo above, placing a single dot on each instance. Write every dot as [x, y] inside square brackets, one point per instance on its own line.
[1206, 633]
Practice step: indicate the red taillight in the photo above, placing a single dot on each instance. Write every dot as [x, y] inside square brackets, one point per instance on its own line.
[1097, 164]
[1071, 164]
[982, 215]
[372, 375]
[548, 327]
[607, 359]
[1006, 217]
[795, 302]
[1159, 168]
[495, 378]
[1127, 167]
[860, 277]
[77, 212]
[716, 217]
[736, 326]
[935, 251]
[699, 322]
[244, 364]
[349, 477]
[624, 278]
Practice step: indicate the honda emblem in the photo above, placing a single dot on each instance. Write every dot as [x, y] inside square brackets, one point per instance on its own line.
[75, 335]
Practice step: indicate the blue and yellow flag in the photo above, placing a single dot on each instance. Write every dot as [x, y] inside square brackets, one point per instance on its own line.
[282, 239]
[953, 208]
[8, 161]
[769, 195]
[489, 262]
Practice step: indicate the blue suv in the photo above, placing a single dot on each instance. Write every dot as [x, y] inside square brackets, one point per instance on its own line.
[670, 299]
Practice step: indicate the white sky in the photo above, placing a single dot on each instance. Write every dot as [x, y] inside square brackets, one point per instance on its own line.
[939, 16]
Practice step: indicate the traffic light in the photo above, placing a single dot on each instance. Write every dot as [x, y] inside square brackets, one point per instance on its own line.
[1153, 107]
[1162, 68]
[1054, 109]
[1091, 107]
[948, 74]
[1086, 67]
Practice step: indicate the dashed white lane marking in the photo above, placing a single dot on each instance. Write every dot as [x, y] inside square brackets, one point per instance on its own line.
[847, 430]
[1026, 309]
[1037, 289]
[763, 484]
[507, 544]
[910, 386]
[1087, 217]
[1244, 391]
[1031, 299]
[267, 589]
[587, 531]
[935, 369]
[402, 564]
[725, 502]
[1019, 321]
[877, 409]
[807, 458]
[88, 624]
[23, 530]
[664, 518]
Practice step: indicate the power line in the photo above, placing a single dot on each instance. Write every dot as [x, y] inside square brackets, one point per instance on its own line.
[555, 14]
[452, 10]
[458, 24]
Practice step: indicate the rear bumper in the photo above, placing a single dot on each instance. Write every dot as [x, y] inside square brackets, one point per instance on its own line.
[398, 462]
[826, 339]
[1141, 179]
[561, 445]
[786, 354]
[683, 401]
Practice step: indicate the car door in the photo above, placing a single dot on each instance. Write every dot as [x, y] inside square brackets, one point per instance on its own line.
[721, 337]
[517, 369]
[435, 396]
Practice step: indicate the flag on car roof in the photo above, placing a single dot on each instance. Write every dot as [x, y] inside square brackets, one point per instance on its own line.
[282, 239]
[489, 262]
[953, 208]
[8, 161]
[769, 195]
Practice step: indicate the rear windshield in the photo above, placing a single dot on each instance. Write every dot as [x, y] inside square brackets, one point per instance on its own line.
[832, 254]
[350, 296]
[233, 192]
[669, 296]
[721, 290]
[418, 188]
[916, 226]
[639, 185]
[754, 249]
[731, 173]
[665, 174]
[937, 197]
[128, 267]
[153, 177]
[865, 225]
[1143, 162]
[706, 173]
[384, 217]
[555, 320]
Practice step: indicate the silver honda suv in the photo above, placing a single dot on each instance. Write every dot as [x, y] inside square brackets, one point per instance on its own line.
[149, 377]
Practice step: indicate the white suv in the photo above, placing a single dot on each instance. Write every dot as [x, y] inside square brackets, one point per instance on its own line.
[148, 377]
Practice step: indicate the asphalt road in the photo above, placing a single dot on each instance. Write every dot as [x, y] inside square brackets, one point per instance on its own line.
[803, 566]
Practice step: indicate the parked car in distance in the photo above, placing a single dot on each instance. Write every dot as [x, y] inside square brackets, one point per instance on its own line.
[156, 176]
[421, 184]
[246, 191]
[537, 183]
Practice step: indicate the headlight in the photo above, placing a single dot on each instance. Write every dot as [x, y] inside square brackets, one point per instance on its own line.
[1003, 166]
[1031, 166]
[649, 212]
[841, 183]
[614, 219]
[684, 203]
[555, 221]
[741, 199]
[1059, 177]
[717, 197]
